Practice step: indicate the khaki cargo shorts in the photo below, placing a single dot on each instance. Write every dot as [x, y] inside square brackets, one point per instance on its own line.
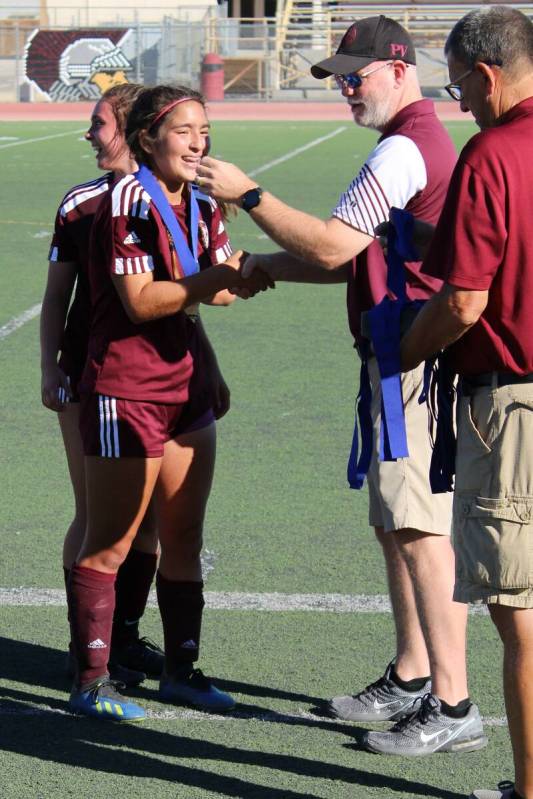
[493, 507]
[399, 491]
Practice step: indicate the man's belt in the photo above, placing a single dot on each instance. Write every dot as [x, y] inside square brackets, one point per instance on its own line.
[492, 380]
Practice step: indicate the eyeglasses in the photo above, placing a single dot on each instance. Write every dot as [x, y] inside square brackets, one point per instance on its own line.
[355, 79]
[455, 89]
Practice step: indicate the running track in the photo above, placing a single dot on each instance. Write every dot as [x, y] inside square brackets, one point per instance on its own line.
[233, 111]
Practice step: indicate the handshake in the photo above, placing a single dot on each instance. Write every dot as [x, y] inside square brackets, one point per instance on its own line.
[252, 274]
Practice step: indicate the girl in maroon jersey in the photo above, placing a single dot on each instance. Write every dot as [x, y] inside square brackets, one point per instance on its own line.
[68, 335]
[151, 393]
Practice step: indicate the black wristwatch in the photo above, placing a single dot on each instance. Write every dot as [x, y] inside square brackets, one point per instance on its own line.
[251, 199]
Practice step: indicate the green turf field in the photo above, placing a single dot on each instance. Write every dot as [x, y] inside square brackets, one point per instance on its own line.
[280, 520]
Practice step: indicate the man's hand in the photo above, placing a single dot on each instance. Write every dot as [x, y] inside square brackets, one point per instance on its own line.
[55, 389]
[222, 180]
[253, 280]
[422, 235]
[254, 269]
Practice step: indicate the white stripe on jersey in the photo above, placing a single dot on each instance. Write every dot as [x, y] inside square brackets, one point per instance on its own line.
[220, 255]
[221, 227]
[83, 193]
[117, 194]
[130, 199]
[223, 252]
[393, 173]
[137, 265]
[126, 198]
[54, 252]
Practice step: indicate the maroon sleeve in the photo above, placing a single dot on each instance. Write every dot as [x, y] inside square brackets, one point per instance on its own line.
[63, 248]
[131, 233]
[469, 242]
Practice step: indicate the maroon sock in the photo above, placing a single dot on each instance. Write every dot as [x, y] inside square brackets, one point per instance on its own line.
[132, 587]
[66, 575]
[91, 600]
[181, 604]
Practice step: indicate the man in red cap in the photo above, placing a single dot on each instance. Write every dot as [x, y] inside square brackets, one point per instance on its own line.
[410, 168]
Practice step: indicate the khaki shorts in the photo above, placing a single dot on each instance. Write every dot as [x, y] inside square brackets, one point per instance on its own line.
[493, 508]
[399, 491]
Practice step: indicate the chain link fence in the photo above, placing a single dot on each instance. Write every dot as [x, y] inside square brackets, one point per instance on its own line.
[262, 57]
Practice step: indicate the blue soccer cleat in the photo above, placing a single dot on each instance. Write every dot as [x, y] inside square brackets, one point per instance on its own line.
[191, 687]
[101, 700]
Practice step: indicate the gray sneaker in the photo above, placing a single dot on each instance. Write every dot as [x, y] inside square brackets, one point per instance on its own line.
[382, 700]
[428, 730]
[504, 791]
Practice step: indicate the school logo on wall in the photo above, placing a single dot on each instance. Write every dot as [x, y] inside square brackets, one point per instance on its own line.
[77, 64]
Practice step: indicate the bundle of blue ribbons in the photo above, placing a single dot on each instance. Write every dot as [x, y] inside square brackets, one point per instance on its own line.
[438, 391]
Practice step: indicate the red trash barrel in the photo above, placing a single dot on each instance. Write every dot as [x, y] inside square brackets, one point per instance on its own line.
[212, 78]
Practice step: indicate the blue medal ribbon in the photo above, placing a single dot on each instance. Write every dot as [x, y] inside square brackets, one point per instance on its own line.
[188, 260]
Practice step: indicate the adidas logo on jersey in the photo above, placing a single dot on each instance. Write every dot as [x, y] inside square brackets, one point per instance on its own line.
[97, 644]
[190, 644]
[132, 238]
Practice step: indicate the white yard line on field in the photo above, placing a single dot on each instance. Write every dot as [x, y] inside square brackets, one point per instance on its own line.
[233, 600]
[293, 153]
[42, 138]
[16, 322]
[184, 714]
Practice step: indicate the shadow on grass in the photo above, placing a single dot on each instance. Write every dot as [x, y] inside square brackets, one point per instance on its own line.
[41, 727]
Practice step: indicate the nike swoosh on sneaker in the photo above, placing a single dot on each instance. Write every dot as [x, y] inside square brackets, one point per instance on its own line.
[381, 705]
[427, 738]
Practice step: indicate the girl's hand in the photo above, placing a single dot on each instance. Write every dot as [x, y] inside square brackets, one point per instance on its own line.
[55, 389]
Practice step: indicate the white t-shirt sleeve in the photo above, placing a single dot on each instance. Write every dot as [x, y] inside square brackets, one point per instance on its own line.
[393, 173]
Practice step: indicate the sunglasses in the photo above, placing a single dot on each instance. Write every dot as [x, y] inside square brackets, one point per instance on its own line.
[355, 79]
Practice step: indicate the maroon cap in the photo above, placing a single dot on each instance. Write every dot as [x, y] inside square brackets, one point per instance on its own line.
[370, 39]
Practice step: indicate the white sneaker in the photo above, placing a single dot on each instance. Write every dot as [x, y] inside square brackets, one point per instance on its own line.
[428, 730]
[382, 700]
[504, 791]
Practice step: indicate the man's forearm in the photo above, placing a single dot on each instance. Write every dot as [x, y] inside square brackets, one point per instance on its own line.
[329, 243]
[443, 320]
[301, 234]
[281, 266]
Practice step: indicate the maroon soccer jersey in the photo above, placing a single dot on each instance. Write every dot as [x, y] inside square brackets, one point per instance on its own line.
[410, 168]
[70, 243]
[149, 361]
[484, 242]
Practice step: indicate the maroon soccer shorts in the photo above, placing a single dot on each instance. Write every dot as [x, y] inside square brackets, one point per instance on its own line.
[111, 427]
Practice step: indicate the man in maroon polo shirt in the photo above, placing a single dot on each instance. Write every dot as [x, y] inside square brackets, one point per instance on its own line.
[410, 168]
[482, 249]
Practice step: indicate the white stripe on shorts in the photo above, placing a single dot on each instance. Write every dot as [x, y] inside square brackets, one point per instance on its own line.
[115, 426]
[109, 441]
